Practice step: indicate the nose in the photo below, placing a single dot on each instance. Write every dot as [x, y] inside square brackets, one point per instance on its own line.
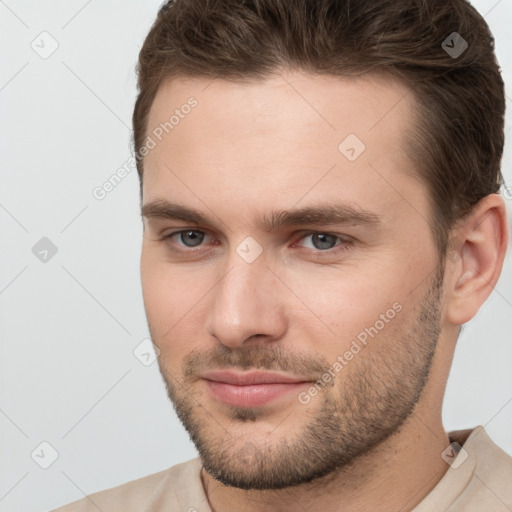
[247, 305]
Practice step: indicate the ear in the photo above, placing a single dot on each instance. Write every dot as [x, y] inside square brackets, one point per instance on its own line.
[475, 258]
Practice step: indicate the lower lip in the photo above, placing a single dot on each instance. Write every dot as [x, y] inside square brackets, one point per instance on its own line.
[253, 395]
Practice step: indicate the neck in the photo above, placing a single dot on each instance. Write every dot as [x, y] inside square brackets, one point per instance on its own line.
[395, 475]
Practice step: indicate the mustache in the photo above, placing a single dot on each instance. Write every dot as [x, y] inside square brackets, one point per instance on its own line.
[256, 357]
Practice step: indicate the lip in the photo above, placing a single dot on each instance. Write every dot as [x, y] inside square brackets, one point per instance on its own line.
[249, 378]
[250, 389]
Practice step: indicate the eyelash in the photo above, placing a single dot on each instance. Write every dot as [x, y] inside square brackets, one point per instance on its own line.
[345, 244]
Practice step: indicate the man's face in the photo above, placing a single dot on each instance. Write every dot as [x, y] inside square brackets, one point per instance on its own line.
[346, 310]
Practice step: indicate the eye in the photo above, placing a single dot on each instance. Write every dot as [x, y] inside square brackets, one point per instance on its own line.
[315, 243]
[322, 241]
[188, 238]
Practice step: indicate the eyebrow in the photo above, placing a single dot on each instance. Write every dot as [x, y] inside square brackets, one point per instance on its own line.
[324, 213]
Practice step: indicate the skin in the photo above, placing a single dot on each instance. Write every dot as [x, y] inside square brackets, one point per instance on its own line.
[246, 150]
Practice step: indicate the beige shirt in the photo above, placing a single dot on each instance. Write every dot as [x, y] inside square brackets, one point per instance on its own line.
[479, 479]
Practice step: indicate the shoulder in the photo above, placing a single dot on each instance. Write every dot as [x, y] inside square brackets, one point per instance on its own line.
[493, 469]
[478, 478]
[489, 470]
[139, 495]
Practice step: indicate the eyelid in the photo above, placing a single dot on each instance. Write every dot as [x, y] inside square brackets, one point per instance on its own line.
[170, 234]
[306, 233]
[345, 241]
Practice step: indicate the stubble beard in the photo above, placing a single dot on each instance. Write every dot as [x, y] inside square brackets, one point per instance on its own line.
[369, 400]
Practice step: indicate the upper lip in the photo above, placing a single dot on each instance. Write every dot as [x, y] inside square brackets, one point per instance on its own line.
[248, 378]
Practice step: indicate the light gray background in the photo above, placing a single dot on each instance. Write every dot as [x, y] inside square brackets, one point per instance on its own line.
[68, 326]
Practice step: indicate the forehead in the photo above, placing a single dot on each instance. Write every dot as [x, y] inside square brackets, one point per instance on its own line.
[294, 133]
[326, 105]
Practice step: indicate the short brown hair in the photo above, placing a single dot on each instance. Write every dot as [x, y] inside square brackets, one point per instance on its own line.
[457, 141]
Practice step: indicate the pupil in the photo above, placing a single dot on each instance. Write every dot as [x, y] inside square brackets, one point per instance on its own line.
[322, 241]
[193, 236]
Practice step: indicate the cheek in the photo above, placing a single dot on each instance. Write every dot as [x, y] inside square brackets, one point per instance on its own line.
[349, 307]
[173, 305]
[156, 288]
[164, 288]
[348, 296]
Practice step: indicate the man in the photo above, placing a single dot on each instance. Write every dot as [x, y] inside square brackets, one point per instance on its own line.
[320, 195]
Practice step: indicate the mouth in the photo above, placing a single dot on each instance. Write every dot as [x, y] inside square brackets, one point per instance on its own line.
[250, 389]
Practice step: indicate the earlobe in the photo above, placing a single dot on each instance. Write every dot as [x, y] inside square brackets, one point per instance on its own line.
[476, 262]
